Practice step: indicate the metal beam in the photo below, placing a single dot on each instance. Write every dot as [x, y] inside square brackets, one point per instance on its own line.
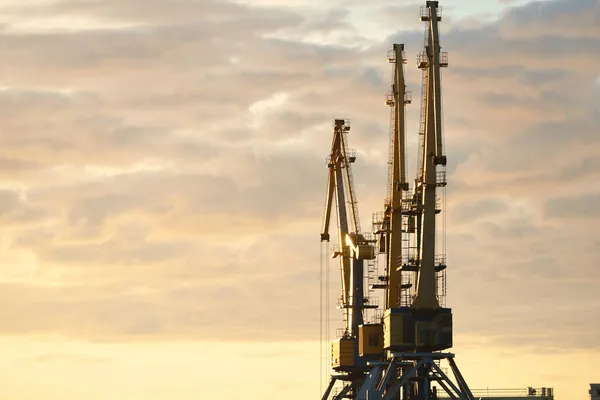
[329, 388]
[402, 381]
[460, 380]
[343, 393]
[446, 380]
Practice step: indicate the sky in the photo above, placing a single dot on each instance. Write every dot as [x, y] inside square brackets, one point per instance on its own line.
[162, 169]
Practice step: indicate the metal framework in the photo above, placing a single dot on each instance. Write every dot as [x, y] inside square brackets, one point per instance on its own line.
[393, 220]
[390, 379]
[352, 247]
[399, 357]
[404, 358]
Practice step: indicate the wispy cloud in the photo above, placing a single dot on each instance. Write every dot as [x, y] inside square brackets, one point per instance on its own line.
[164, 171]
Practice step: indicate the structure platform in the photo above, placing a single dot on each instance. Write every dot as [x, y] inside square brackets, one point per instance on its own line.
[512, 394]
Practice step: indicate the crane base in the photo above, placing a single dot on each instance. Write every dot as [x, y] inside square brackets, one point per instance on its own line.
[407, 376]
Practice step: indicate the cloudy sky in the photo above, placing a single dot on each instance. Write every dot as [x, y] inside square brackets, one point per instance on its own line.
[163, 179]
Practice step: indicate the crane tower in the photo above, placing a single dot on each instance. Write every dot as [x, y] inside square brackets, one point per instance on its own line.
[352, 249]
[406, 345]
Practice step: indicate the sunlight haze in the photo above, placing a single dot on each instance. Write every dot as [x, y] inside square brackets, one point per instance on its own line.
[163, 177]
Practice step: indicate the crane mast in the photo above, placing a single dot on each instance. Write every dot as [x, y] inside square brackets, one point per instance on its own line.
[397, 98]
[399, 356]
[430, 61]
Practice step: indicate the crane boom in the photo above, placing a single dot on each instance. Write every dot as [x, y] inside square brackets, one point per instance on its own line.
[426, 288]
[335, 162]
[393, 210]
[353, 248]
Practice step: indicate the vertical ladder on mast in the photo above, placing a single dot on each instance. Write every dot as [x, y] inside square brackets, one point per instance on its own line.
[390, 100]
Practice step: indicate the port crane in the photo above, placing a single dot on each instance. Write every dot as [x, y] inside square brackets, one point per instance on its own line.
[399, 356]
[353, 249]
